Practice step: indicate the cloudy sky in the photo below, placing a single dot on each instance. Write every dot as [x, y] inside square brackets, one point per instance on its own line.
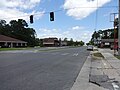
[76, 19]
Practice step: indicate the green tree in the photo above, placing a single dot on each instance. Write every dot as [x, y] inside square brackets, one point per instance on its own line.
[19, 29]
[65, 39]
[82, 43]
[2, 26]
[71, 42]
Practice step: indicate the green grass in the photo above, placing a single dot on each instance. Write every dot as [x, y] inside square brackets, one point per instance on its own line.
[7, 49]
[118, 57]
[98, 55]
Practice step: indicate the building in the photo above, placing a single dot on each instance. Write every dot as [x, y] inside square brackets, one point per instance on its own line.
[6, 41]
[108, 42]
[63, 43]
[50, 42]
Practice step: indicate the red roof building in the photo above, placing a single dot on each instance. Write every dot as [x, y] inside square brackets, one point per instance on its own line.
[50, 42]
[6, 41]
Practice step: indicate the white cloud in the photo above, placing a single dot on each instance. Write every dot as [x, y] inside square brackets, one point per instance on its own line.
[73, 32]
[77, 27]
[80, 9]
[16, 14]
[15, 9]
[9, 14]
[24, 4]
[38, 14]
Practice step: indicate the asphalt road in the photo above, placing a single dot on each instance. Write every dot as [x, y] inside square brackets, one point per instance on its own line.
[41, 70]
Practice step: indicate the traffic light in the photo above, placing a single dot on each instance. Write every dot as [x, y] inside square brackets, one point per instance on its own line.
[31, 18]
[51, 16]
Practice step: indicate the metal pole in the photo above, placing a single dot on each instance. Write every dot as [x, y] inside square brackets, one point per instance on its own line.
[114, 36]
[119, 29]
[115, 42]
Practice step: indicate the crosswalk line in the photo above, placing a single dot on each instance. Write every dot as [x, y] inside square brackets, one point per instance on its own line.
[75, 54]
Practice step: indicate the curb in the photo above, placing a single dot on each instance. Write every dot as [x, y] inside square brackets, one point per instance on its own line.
[82, 81]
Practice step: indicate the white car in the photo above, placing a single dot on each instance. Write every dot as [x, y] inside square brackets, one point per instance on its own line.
[90, 47]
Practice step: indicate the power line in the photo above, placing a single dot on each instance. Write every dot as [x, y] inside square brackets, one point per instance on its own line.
[96, 18]
[61, 10]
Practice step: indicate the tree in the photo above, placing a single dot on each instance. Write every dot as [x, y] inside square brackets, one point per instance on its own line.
[2, 26]
[2, 22]
[19, 29]
[65, 39]
[71, 42]
[90, 43]
[82, 43]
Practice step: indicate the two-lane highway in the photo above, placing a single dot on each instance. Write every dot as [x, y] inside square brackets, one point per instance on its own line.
[41, 70]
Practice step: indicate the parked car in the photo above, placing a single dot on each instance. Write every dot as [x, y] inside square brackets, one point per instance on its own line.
[90, 47]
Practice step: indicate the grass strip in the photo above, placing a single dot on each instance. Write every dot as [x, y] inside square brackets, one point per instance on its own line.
[118, 57]
[7, 49]
[98, 54]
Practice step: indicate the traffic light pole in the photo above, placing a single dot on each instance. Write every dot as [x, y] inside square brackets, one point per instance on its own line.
[119, 29]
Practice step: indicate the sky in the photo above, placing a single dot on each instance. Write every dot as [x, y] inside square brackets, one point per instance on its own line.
[76, 19]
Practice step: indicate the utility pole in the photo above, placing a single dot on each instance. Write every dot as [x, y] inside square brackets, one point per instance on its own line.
[115, 39]
[119, 29]
[114, 47]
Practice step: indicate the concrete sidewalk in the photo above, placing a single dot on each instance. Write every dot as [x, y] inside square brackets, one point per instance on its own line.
[99, 74]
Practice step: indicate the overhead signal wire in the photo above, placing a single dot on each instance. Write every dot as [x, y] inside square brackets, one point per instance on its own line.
[62, 10]
[96, 17]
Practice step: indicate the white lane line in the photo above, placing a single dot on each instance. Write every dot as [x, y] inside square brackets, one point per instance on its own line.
[76, 54]
[115, 86]
[65, 54]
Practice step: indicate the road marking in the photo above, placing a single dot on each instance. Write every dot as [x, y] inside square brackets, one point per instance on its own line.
[104, 63]
[76, 54]
[65, 54]
[35, 51]
[115, 86]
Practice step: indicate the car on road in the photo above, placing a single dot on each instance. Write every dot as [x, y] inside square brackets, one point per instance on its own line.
[90, 47]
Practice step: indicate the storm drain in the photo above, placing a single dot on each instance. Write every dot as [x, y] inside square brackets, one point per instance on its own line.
[105, 82]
